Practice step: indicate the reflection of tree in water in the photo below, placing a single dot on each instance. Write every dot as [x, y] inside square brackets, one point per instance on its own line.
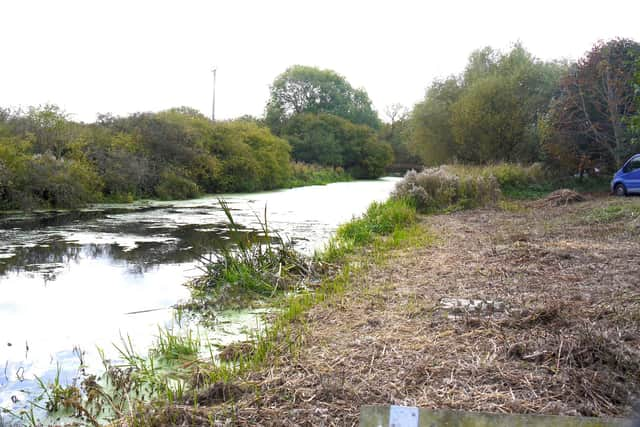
[183, 245]
[40, 220]
[46, 258]
[190, 242]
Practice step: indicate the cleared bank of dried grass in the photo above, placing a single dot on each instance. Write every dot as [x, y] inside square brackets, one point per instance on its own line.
[567, 342]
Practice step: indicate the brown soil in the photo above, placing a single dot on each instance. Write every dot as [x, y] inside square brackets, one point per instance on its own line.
[235, 351]
[554, 327]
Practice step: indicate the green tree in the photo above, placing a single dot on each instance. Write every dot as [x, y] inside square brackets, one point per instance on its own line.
[316, 138]
[14, 157]
[62, 183]
[396, 133]
[489, 114]
[302, 89]
[431, 134]
[53, 132]
[635, 120]
[170, 148]
[333, 141]
[47, 160]
[269, 151]
[496, 116]
[122, 164]
[482, 63]
[487, 121]
[252, 157]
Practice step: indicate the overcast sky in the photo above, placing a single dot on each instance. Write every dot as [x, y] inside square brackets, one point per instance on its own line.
[122, 56]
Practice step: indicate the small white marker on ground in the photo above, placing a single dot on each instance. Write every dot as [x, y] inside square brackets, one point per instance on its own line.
[403, 416]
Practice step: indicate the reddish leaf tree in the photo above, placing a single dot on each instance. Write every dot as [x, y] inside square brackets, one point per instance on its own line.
[589, 119]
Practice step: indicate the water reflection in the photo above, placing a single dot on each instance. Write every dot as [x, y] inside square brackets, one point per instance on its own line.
[53, 253]
[46, 258]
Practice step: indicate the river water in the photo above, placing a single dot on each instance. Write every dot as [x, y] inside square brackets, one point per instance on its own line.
[71, 282]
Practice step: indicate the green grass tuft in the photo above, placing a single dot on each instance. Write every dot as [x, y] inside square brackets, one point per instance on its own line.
[255, 268]
[614, 212]
[171, 346]
[380, 219]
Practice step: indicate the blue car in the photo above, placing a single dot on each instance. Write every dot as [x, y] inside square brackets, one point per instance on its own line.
[627, 179]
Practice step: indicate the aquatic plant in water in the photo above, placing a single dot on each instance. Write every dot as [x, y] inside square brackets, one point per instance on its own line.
[260, 265]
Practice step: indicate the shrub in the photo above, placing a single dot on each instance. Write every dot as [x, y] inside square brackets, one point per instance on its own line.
[50, 182]
[516, 176]
[437, 189]
[174, 186]
[314, 174]
[330, 140]
[520, 182]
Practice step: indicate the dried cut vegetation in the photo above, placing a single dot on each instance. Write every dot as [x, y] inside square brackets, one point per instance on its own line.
[447, 188]
[561, 197]
[545, 319]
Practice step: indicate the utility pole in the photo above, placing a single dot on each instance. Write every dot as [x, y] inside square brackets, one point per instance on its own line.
[213, 107]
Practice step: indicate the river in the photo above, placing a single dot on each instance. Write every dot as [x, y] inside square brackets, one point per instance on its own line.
[72, 282]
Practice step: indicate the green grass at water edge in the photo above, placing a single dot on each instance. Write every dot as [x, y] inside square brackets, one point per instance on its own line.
[171, 346]
[255, 269]
[279, 335]
[391, 217]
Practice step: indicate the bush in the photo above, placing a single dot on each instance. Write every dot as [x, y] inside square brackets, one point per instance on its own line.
[314, 174]
[174, 186]
[50, 182]
[333, 141]
[437, 189]
[520, 182]
[515, 176]
[252, 158]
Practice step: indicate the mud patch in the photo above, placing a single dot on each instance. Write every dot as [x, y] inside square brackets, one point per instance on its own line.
[235, 351]
[218, 393]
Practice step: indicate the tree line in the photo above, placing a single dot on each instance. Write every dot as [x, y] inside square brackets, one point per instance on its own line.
[317, 129]
[47, 160]
[504, 106]
[513, 107]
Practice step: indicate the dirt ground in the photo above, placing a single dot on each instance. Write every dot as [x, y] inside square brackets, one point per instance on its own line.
[528, 309]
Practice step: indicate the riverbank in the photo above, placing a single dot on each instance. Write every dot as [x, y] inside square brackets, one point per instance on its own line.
[302, 175]
[527, 308]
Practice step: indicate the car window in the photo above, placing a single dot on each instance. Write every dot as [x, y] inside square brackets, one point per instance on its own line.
[632, 165]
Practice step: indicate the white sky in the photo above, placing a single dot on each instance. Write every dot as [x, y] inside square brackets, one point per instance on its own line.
[126, 56]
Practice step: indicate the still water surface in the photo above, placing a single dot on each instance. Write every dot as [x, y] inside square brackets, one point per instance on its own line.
[70, 282]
